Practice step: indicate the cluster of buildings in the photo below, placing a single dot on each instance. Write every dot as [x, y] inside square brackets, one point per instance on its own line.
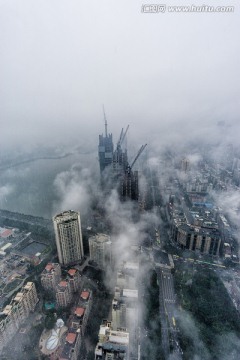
[196, 223]
[64, 342]
[118, 338]
[195, 229]
[61, 289]
[17, 312]
[77, 326]
[112, 345]
[115, 169]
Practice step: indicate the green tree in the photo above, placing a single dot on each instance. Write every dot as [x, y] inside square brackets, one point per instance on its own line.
[50, 321]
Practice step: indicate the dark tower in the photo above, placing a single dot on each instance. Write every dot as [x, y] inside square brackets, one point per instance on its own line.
[118, 173]
[105, 148]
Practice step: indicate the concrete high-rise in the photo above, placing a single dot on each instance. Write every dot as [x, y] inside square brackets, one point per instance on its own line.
[51, 276]
[68, 235]
[105, 148]
[116, 171]
[14, 314]
[100, 248]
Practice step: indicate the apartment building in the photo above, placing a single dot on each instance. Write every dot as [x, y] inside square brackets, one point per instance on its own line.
[14, 314]
[51, 276]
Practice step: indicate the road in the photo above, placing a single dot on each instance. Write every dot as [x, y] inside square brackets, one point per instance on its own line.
[167, 301]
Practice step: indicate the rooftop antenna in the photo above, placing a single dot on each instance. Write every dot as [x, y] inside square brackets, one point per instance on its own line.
[105, 120]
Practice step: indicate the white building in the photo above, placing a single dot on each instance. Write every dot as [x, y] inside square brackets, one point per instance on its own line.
[112, 344]
[68, 235]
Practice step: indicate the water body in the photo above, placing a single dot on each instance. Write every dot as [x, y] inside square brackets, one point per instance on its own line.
[28, 187]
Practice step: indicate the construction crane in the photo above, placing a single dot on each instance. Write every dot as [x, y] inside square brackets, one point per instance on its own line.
[122, 137]
[105, 121]
[137, 156]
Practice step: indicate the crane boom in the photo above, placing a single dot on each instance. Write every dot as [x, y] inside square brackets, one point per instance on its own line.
[138, 154]
[120, 139]
[124, 135]
[105, 121]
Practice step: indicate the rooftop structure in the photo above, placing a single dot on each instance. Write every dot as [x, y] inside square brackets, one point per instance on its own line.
[71, 346]
[81, 313]
[127, 275]
[125, 309]
[5, 233]
[112, 344]
[50, 340]
[85, 295]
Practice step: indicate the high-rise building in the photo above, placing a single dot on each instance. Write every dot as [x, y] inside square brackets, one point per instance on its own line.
[100, 248]
[116, 172]
[112, 344]
[105, 148]
[185, 165]
[74, 279]
[79, 319]
[51, 276]
[63, 294]
[68, 235]
[14, 314]
[72, 345]
[125, 309]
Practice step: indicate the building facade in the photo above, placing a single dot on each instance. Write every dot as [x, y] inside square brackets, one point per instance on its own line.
[51, 276]
[14, 314]
[112, 345]
[68, 235]
[74, 279]
[63, 294]
[71, 346]
[100, 248]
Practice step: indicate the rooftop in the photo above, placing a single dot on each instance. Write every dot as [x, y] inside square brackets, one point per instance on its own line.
[85, 295]
[49, 267]
[68, 346]
[63, 283]
[72, 272]
[79, 311]
[130, 293]
[71, 337]
[6, 233]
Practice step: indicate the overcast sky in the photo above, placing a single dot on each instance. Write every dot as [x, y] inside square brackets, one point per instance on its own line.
[168, 75]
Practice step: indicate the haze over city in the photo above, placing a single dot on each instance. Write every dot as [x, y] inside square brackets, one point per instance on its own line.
[162, 195]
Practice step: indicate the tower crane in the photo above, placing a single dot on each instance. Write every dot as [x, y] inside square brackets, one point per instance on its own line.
[137, 156]
[122, 137]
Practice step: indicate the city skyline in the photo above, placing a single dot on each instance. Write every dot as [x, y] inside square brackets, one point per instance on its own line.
[109, 248]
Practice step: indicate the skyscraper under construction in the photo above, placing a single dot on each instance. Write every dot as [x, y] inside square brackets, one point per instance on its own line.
[116, 172]
[105, 148]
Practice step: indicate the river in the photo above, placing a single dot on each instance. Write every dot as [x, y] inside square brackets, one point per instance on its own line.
[29, 187]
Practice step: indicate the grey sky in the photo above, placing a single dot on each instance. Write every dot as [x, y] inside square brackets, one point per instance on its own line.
[167, 75]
